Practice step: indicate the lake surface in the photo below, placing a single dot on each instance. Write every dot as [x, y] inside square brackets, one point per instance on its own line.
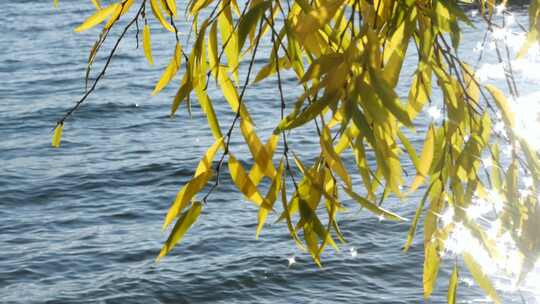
[82, 224]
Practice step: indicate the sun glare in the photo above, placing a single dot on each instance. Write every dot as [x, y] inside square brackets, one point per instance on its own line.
[481, 231]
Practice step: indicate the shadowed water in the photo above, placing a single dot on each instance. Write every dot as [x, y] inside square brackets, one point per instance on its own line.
[82, 224]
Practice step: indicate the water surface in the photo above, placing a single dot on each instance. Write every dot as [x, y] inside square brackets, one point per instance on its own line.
[82, 224]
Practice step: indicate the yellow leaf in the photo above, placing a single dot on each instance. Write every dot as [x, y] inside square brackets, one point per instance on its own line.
[431, 268]
[249, 20]
[259, 152]
[147, 46]
[412, 230]
[389, 98]
[198, 5]
[373, 207]
[420, 90]
[452, 286]
[244, 183]
[180, 228]
[229, 39]
[332, 158]
[188, 191]
[396, 49]
[316, 18]
[230, 94]
[426, 158]
[126, 6]
[256, 173]
[57, 135]
[206, 163]
[409, 148]
[156, 9]
[170, 71]
[287, 215]
[171, 5]
[55, 3]
[310, 112]
[200, 179]
[208, 109]
[96, 4]
[271, 197]
[312, 243]
[98, 17]
[502, 103]
[480, 277]
[213, 55]
[115, 15]
[182, 93]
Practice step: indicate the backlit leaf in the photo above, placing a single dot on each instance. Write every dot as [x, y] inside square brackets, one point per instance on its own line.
[197, 183]
[308, 114]
[171, 5]
[170, 71]
[426, 158]
[431, 268]
[156, 9]
[452, 286]
[57, 136]
[502, 103]
[180, 228]
[98, 17]
[147, 46]
[244, 183]
[480, 277]
[271, 197]
[373, 207]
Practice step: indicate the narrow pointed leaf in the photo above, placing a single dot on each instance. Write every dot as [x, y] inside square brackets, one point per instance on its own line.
[180, 228]
[480, 277]
[244, 183]
[452, 286]
[98, 17]
[147, 45]
[170, 71]
[156, 9]
[373, 207]
[425, 160]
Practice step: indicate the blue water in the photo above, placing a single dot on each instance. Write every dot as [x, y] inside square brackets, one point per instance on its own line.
[82, 224]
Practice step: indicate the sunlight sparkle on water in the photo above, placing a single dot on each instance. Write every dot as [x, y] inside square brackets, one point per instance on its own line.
[291, 260]
[434, 112]
[527, 111]
[499, 9]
